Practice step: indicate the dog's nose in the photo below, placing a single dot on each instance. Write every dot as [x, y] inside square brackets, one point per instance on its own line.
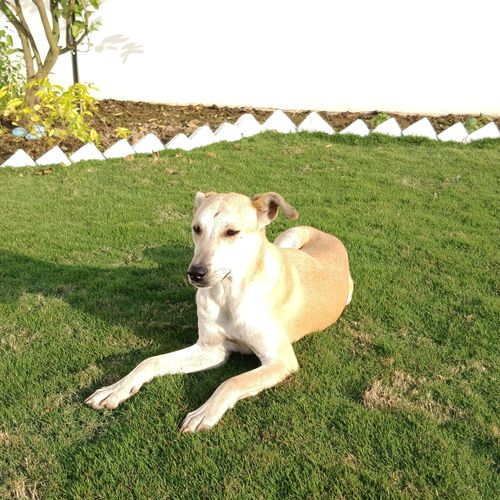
[197, 272]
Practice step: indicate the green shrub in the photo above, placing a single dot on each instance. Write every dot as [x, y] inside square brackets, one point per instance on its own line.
[60, 112]
[11, 70]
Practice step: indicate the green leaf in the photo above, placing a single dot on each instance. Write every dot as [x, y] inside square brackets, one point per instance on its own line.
[94, 136]
[77, 28]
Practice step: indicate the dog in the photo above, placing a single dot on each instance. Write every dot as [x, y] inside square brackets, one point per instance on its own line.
[252, 296]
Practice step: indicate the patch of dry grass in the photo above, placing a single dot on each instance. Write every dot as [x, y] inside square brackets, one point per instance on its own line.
[406, 393]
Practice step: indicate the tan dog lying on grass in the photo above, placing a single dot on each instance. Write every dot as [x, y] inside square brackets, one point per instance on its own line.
[253, 297]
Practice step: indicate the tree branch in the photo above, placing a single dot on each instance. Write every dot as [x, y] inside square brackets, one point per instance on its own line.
[6, 7]
[26, 31]
[69, 19]
[46, 26]
[56, 29]
[75, 43]
[6, 4]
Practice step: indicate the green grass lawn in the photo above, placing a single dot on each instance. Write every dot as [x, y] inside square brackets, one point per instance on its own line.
[399, 398]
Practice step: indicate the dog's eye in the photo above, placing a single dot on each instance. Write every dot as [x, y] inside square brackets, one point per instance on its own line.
[197, 228]
[231, 232]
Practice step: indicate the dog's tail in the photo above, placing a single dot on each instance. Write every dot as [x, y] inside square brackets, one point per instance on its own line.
[295, 237]
[351, 289]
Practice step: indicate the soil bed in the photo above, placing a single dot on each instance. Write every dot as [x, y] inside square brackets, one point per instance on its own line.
[165, 121]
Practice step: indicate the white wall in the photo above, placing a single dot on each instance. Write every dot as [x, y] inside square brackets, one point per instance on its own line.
[427, 56]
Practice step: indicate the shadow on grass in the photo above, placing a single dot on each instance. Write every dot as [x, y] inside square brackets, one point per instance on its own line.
[155, 303]
[144, 300]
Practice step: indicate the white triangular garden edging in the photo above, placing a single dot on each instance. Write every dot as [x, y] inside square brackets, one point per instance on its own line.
[148, 144]
[389, 127]
[313, 122]
[247, 126]
[357, 127]
[489, 131]
[180, 141]
[227, 132]
[119, 149]
[422, 128]
[53, 156]
[86, 152]
[19, 159]
[456, 133]
[279, 122]
[202, 136]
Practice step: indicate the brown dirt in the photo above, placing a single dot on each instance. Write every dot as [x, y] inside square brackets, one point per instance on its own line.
[166, 121]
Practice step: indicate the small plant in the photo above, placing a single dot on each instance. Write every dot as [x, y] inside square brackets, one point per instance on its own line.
[58, 112]
[378, 119]
[475, 122]
[11, 70]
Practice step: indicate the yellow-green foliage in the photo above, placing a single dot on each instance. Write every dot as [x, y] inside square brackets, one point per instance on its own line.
[62, 112]
[122, 132]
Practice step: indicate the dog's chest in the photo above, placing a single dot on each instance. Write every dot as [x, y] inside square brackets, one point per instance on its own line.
[243, 322]
[237, 323]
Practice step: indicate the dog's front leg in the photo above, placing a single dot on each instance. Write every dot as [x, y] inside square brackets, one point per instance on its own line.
[236, 388]
[198, 357]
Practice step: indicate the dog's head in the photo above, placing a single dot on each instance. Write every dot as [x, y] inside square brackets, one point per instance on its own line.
[228, 230]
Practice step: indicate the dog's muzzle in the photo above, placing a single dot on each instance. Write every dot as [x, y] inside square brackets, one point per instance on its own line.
[199, 277]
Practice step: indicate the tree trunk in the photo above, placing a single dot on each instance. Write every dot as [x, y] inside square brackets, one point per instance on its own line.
[30, 98]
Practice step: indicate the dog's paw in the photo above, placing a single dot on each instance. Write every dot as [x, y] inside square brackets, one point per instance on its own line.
[111, 396]
[202, 419]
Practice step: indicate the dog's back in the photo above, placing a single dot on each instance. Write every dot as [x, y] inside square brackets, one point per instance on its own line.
[321, 272]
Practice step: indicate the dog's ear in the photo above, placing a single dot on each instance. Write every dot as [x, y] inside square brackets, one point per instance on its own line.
[267, 205]
[199, 197]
